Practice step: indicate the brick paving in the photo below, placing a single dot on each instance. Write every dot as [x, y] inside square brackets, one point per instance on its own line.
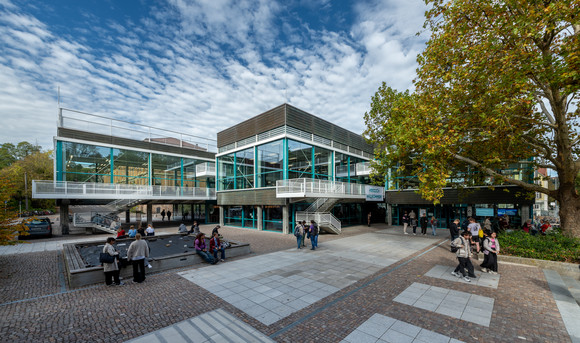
[35, 308]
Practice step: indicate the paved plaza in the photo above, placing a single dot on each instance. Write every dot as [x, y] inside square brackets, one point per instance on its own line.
[367, 285]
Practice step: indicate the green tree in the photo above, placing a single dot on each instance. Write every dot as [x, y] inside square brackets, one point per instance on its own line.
[10, 153]
[497, 84]
[10, 227]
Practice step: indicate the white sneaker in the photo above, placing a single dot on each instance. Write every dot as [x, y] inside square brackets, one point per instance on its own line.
[492, 272]
[406, 233]
[467, 279]
[485, 270]
[455, 274]
[149, 266]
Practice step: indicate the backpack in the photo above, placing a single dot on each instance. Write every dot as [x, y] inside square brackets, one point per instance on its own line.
[297, 231]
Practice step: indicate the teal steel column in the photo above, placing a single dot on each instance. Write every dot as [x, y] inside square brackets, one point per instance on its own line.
[235, 170]
[182, 179]
[243, 216]
[149, 170]
[348, 169]
[60, 161]
[285, 159]
[331, 167]
[112, 165]
[312, 161]
[256, 185]
[217, 174]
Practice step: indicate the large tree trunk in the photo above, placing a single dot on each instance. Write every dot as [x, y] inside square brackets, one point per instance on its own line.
[569, 210]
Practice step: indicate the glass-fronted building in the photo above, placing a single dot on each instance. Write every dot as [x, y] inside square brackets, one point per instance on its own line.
[281, 144]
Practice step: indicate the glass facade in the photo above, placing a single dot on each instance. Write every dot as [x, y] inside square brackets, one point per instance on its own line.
[270, 163]
[91, 163]
[272, 218]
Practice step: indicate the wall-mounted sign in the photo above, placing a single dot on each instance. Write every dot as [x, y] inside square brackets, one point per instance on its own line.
[374, 193]
[508, 211]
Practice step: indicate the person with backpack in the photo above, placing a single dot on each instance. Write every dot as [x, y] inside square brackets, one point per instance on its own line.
[491, 249]
[463, 253]
[313, 235]
[299, 233]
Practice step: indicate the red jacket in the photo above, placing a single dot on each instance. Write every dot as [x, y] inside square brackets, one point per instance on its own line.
[213, 244]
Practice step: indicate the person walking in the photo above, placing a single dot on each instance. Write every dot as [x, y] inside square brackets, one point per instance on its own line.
[201, 250]
[424, 222]
[299, 233]
[215, 246]
[474, 228]
[463, 253]
[406, 220]
[491, 249]
[168, 215]
[434, 225]
[111, 269]
[454, 229]
[369, 219]
[163, 215]
[313, 235]
[137, 253]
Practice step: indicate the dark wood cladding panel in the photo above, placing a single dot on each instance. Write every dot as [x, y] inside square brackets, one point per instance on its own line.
[320, 127]
[266, 121]
[500, 195]
[95, 138]
[250, 197]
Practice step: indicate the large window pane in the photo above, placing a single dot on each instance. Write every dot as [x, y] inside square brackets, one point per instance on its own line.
[226, 172]
[299, 160]
[270, 163]
[130, 167]
[272, 218]
[322, 165]
[166, 170]
[245, 169]
[86, 163]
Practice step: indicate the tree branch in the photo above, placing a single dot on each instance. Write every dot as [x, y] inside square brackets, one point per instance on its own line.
[489, 171]
[546, 149]
[546, 112]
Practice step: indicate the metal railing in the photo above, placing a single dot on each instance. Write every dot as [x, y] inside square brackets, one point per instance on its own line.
[95, 220]
[91, 190]
[318, 188]
[326, 221]
[88, 122]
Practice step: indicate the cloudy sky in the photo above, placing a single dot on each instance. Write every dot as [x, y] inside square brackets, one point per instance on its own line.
[199, 67]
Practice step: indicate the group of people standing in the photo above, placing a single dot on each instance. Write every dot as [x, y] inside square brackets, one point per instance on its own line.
[302, 231]
[137, 255]
[471, 241]
[410, 220]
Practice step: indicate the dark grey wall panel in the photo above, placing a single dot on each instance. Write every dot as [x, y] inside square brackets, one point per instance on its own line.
[250, 197]
[266, 121]
[131, 143]
[500, 195]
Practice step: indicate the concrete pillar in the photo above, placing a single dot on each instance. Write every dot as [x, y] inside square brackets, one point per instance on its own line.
[389, 215]
[221, 216]
[149, 213]
[127, 216]
[259, 213]
[63, 228]
[285, 221]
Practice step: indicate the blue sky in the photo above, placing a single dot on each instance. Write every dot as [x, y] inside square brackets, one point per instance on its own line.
[199, 67]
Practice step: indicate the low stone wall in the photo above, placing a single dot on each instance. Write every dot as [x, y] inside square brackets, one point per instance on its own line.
[79, 276]
[563, 268]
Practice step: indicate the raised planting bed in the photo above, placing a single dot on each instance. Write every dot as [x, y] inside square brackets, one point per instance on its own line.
[166, 252]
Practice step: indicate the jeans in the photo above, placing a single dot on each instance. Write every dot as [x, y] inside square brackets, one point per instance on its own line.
[206, 256]
[299, 240]
[434, 228]
[139, 270]
[223, 253]
[314, 241]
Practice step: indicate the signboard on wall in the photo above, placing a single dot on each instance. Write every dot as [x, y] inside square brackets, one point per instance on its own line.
[374, 193]
[484, 212]
[508, 211]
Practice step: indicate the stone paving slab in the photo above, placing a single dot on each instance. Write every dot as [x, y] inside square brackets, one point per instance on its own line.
[384, 329]
[473, 308]
[273, 286]
[483, 279]
[566, 303]
[214, 326]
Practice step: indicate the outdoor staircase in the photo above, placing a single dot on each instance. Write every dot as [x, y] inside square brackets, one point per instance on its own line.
[99, 218]
[319, 211]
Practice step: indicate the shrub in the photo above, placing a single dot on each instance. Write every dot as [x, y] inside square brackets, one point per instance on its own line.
[552, 247]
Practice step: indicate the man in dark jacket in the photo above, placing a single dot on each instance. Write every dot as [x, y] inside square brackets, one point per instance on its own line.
[454, 229]
[424, 222]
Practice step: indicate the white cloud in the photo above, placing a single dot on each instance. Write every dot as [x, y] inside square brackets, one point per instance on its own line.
[183, 78]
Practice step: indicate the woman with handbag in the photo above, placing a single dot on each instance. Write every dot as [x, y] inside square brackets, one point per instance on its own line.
[111, 269]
